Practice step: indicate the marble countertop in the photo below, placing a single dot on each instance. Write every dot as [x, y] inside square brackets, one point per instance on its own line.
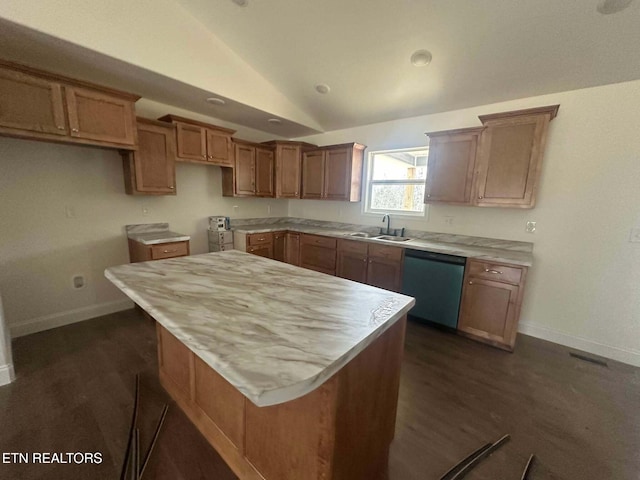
[153, 238]
[469, 251]
[273, 330]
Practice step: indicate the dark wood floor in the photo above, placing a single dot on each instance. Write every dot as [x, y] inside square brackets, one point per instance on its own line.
[75, 384]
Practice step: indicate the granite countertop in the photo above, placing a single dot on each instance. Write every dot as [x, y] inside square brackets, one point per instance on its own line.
[154, 233]
[461, 250]
[273, 330]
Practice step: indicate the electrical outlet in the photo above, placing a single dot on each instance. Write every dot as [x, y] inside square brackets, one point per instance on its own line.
[236, 209]
[635, 235]
[268, 209]
[78, 282]
[448, 220]
[531, 227]
[69, 211]
[145, 210]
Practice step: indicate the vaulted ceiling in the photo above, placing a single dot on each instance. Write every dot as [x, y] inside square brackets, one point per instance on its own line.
[265, 58]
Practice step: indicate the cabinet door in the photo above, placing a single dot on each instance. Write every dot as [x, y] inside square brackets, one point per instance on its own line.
[488, 311]
[450, 167]
[510, 158]
[318, 253]
[293, 248]
[264, 172]
[262, 250]
[219, 148]
[101, 117]
[288, 171]
[313, 174]
[154, 161]
[191, 142]
[245, 170]
[279, 246]
[352, 266]
[337, 174]
[385, 274]
[31, 103]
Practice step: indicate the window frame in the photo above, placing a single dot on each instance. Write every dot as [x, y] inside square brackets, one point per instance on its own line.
[369, 182]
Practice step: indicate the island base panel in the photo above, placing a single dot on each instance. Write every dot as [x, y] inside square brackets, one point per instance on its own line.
[340, 431]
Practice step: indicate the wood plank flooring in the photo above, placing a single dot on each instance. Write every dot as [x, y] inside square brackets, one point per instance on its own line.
[74, 392]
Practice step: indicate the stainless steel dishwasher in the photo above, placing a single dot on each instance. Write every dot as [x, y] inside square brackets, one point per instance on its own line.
[435, 281]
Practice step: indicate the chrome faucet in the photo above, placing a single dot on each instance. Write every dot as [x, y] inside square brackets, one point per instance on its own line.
[387, 217]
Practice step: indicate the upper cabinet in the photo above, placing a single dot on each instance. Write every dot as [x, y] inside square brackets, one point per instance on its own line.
[333, 172]
[199, 142]
[151, 170]
[452, 159]
[288, 167]
[510, 157]
[497, 165]
[252, 172]
[42, 106]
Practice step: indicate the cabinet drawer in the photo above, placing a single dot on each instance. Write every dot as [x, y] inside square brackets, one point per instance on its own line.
[259, 239]
[385, 252]
[353, 246]
[319, 241]
[495, 272]
[169, 250]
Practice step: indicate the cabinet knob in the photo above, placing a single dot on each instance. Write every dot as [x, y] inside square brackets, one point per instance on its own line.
[74, 130]
[210, 156]
[171, 187]
[204, 156]
[60, 127]
[480, 197]
[428, 195]
[470, 283]
[364, 260]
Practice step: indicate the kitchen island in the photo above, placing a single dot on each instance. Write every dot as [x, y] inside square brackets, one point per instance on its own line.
[288, 373]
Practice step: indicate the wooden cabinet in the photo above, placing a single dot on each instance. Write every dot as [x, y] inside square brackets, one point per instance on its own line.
[510, 157]
[293, 248]
[252, 175]
[377, 265]
[491, 300]
[279, 246]
[318, 253]
[261, 244]
[288, 167]
[42, 106]
[497, 165]
[199, 142]
[333, 172]
[452, 159]
[139, 252]
[151, 170]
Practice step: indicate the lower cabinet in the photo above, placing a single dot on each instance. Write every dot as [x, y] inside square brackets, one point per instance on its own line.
[376, 265]
[318, 253]
[260, 244]
[491, 301]
[139, 252]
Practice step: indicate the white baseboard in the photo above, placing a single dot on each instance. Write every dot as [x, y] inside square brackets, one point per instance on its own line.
[7, 374]
[60, 319]
[630, 356]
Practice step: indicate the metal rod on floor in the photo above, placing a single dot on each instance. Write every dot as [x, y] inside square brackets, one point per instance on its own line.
[464, 461]
[476, 460]
[155, 438]
[127, 453]
[527, 468]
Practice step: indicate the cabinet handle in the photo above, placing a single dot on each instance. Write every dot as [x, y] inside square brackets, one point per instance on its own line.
[172, 187]
[170, 251]
[204, 156]
[60, 127]
[209, 156]
[74, 130]
[493, 271]
[470, 283]
[261, 239]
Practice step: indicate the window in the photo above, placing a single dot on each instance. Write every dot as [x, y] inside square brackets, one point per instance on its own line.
[395, 181]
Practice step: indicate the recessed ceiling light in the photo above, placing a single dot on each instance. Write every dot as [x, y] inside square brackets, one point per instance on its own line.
[420, 58]
[215, 101]
[275, 121]
[241, 3]
[323, 88]
[607, 7]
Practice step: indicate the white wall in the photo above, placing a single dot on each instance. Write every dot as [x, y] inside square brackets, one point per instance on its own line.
[41, 249]
[584, 288]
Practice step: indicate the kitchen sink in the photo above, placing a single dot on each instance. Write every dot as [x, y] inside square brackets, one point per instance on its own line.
[391, 238]
[360, 235]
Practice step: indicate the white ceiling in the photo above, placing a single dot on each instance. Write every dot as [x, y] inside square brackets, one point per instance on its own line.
[266, 58]
[484, 51]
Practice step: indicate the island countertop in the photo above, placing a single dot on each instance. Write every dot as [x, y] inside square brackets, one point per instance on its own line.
[273, 330]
